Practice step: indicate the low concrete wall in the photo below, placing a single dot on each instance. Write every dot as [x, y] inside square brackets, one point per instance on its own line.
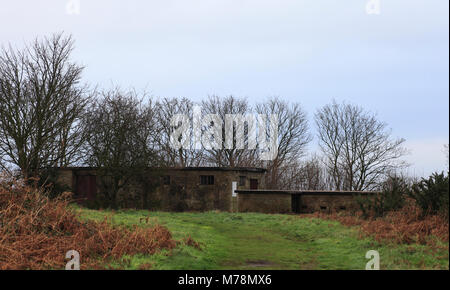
[328, 203]
[281, 201]
[264, 202]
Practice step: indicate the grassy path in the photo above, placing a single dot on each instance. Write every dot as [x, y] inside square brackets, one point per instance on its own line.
[260, 241]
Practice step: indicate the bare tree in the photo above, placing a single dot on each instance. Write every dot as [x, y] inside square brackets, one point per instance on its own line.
[293, 137]
[358, 148]
[120, 142]
[41, 102]
[313, 174]
[234, 155]
[165, 109]
[306, 174]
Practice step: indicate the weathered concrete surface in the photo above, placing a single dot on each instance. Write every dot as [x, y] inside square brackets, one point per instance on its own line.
[184, 190]
[290, 201]
[265, 203]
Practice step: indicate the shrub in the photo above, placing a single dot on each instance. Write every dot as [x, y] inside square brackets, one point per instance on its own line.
[392, 197]
[432, 194]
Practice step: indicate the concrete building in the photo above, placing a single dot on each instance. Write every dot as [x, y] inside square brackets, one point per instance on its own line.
[207, 188]
[191, 188]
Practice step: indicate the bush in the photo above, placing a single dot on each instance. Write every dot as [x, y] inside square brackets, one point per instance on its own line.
[432, 194]
[392, 197]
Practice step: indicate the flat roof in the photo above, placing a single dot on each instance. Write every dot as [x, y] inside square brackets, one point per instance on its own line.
[248, 169]
[303, 192]
[202, 168]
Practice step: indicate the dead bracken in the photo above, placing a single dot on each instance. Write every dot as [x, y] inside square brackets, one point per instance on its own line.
[36, 232]
[405, 226]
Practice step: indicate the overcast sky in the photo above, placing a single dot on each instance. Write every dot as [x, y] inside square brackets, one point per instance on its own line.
[395, 63]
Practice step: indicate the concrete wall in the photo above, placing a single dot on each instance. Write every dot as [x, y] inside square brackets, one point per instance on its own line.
[185, 191]
[65, 177]
[279, 201]
[327, 203]
[264, 202]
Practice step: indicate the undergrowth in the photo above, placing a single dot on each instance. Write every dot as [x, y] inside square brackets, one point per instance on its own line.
[36, 232]
[405, 226]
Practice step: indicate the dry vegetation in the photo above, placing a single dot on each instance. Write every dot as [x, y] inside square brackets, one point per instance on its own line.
[405, 226]
[189, 241]
[36, 232]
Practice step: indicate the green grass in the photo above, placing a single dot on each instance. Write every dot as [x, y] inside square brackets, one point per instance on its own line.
[263, 241]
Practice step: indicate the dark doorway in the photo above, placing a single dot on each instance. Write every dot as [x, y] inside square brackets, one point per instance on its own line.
[295, 203]
[242, 180]
[86, 187]
[253, 183]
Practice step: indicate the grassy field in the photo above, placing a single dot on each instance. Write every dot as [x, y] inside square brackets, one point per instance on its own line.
[262, 241]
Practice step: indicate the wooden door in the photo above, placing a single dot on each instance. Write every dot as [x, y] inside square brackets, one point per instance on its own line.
[86, 187]
[253, 183]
